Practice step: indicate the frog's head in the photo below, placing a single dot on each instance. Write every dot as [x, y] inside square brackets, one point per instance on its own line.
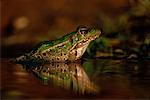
[88, 34]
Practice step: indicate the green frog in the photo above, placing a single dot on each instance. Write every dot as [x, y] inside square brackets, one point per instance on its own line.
[70, 47]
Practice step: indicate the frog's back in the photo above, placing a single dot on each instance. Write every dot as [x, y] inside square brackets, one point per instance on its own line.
[48, 44]
[49, 50]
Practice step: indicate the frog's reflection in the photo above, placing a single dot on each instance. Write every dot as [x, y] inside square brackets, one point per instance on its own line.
[67, 75]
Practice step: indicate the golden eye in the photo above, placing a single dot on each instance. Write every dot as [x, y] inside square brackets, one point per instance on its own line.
[82, 30]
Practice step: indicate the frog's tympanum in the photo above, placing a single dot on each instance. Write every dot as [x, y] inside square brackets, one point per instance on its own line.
[68, 48]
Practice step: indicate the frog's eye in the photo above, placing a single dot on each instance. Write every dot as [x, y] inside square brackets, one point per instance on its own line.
[82, 30]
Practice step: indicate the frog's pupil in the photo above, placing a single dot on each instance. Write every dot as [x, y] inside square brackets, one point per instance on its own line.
[83, 31]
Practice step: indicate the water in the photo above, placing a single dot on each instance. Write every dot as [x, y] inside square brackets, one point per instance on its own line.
[95, 78]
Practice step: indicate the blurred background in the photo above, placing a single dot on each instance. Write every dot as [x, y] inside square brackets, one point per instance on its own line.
[125, 25]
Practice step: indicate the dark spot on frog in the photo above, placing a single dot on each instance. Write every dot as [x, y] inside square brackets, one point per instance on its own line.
[60, 54]
[52, 64]
[76, 70]
[44, 71]
[44, 54]
[75, 75]
[39, 57]
[76, 53]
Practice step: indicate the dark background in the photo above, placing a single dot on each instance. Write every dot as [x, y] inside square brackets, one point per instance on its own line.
[24, 23]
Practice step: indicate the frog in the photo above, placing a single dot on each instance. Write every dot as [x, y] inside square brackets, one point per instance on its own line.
[70, 47]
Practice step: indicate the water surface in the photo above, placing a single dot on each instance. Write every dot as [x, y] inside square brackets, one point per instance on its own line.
[95, 78]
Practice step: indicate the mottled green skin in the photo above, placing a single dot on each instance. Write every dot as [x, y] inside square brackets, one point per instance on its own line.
[68, 48]
[47, 44]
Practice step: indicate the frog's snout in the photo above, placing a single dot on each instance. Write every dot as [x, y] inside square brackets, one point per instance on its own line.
[97, 33]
